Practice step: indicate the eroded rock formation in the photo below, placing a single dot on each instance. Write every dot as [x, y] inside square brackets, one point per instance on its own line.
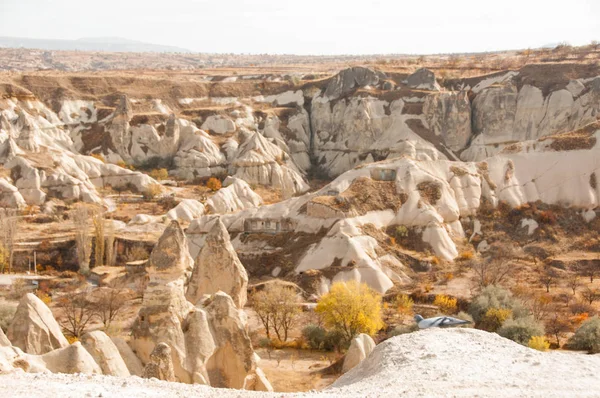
[34, 329]
[218, 268]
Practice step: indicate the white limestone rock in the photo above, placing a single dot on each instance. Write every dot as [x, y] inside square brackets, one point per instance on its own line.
[186, 210]
[218, 268]
[360, 348]
[105, 353]
[133, 363]
[236, 195]
[34, 329]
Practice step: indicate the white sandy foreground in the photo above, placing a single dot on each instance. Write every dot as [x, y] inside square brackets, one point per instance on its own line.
[448, 363]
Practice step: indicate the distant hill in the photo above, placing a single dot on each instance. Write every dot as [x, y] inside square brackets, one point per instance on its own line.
[109, 44]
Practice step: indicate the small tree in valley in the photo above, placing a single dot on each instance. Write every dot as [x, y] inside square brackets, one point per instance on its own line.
[351, 308]
[77, 312]
[277, 307]
[109, 303]
[81, 222]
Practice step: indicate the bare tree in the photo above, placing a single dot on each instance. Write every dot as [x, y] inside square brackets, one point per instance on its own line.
[277, 307]
[548, 277]
[9, 227]
[589, 270]
[496, 267]
[109, 303]
[574, 282]
[109, 229]
[589, 294]
[81, 221]
[540, 306]
[77, 312]
[557, 326]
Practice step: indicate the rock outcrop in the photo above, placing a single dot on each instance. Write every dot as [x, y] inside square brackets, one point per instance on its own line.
[360, 348]
[160, 365]
[133, 363]
[164, 307]
[350, 79]
[105, 353]
[236, 195]
[4, 341]
[423, 79]
[233, 363]
[71, 359]
[218, 268]
[170, 260]
[34, 329]
[205, 344]
[200, 344]
[186, 210]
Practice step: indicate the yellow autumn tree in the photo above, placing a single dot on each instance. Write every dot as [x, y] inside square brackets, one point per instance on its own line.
[351, 308]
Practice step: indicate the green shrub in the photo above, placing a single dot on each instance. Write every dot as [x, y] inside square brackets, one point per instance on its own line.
[314, 336]
[521, 330]
[587, 337]
[495, 297]
[401, 231]
[335, 340]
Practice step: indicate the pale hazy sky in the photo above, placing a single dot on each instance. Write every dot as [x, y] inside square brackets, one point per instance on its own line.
[312, 26]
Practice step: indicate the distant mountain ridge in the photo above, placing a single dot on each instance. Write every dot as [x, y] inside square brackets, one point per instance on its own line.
[109, 44]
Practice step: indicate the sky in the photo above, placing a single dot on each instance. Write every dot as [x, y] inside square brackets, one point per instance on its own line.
[312, 26]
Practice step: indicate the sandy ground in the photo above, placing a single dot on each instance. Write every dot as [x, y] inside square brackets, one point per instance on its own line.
[291, 370]
[431, 363]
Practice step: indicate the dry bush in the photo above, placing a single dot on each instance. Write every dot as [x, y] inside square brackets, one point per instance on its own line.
[447, 305]
[98, 156]
[466, 255]
[214, 184]
[278, 307]
[159, 174]
[547, 217]
[152, 192]
[538, 343]
[404, 304]
[136, 253]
